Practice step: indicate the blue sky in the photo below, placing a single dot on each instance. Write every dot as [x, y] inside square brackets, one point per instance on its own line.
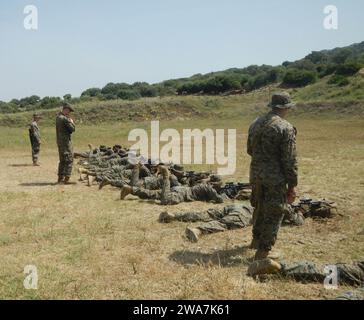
[86, 43]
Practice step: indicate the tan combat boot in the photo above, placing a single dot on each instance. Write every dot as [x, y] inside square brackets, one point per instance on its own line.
[60, 180]
[166, 217]
[193, 234]
[262, 267]
[274, 254]
[126, 190]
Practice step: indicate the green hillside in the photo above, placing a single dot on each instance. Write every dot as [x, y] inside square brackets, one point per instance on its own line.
[317, 98]
[324, 81]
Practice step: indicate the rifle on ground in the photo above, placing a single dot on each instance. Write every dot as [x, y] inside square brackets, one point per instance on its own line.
[232, 189]
[194, 177]
[318, 208]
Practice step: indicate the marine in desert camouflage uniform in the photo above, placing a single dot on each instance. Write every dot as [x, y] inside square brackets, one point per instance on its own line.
[273, 172]
[35, 140]
[65, 126]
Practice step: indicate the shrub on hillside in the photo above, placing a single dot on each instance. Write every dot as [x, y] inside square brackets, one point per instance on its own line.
[299, 78]
[348, 69]
[129, 94]
[339, 80]
[221, 84]
[92, 92]
[50, 102]
[341, 55]
[262, 79]
[326, 69]
[192, 87]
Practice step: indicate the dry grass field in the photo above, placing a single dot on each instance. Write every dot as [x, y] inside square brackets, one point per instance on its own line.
[87, 244]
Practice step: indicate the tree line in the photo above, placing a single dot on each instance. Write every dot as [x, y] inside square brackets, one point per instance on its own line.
[339, 64]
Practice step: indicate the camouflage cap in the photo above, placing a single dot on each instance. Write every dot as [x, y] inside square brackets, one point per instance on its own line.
[281, 100]
[66, 105]
[178, 167]
[215, 178]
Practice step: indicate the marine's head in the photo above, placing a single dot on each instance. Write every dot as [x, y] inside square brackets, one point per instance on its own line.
[216, 181]
[178, 170]
[281, 103]
[215, 178]
[66, 108]
[36, 117]
[116, 148]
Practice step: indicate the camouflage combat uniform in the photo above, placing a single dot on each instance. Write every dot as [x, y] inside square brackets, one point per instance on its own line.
[307, 272]
[357, 294]
[272, 146]
[137, 177]
[348, 274]
[236, 216]
[34, 135]
[64, 130]
[179, 194]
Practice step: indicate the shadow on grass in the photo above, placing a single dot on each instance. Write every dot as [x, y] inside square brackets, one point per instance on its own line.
[38, 184]
[18, 165]
[46, 184]
[223, 258]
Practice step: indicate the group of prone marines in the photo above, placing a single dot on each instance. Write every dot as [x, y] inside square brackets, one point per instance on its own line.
[171, 184]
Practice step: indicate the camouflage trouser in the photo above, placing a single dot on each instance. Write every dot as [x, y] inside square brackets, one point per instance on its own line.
[201, 192]
[35, 151]
[65, 161]
[205, 192]
[348, 274]
[270, 203]
[146, 194]
[167, 197]
[357, 294]
[218, 220]
[141, 177]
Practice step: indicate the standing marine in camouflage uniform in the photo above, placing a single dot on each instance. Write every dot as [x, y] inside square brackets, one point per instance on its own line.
[34, 135]
[65, 126]
[273, 172]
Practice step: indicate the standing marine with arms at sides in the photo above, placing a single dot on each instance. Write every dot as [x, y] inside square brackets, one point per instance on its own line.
[65, 126]
[34, 136]
[273, 172]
